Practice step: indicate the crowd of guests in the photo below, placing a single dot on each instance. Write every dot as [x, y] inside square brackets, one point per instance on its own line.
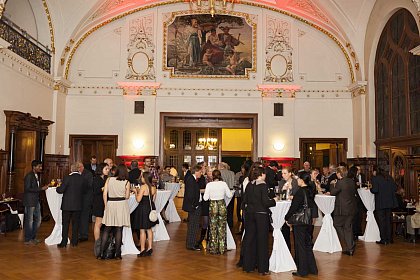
[102, 190]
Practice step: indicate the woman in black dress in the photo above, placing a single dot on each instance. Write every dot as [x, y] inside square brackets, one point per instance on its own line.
[304, 255]
[145, 195]
[257, 210]
[102, 171]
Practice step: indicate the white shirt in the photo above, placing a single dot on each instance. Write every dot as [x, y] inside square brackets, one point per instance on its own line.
[217, 190]
[245, 183]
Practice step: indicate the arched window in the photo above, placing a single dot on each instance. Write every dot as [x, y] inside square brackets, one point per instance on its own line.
[397, 78]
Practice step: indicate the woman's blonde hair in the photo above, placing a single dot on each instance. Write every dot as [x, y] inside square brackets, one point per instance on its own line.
[342, 170]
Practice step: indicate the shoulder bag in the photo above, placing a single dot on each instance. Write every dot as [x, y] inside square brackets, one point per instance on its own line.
[153, 214]
[302, 217]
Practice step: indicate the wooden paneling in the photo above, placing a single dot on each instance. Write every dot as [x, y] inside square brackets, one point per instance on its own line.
[82, 147]
[55, 167]
[3, 171]
[365, 165]
[24, 155]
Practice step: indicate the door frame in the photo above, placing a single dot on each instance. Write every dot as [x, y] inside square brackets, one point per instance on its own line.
[89, 137]
[304, 141]
[253, 118]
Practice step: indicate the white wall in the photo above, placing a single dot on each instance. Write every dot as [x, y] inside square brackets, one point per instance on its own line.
[319, 67]
[23, 89]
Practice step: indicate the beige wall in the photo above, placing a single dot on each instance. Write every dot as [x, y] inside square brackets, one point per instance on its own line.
[22, 90]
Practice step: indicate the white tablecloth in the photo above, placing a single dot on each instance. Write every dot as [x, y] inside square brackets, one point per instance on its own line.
[171, 213]
[327, 240]
[318, 221]
[281, 260]
[54, 202]
[128, 247]
[159, 231]
[230, 242]
[372, 229]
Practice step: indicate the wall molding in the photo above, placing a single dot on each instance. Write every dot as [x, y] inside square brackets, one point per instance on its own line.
[25, 68]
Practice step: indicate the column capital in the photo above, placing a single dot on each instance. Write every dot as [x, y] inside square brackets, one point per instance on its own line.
[358, 88]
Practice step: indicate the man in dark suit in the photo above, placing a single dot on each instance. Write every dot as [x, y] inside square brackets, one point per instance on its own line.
[360, 181]
[384, 188]
[306, 169]
[191, 204]
[345, 205]
[135, 172]
[32, 189]
[186, 171]
[92, 165]
[72, 188]
[332, 179]
[270, 177]
[86, 214]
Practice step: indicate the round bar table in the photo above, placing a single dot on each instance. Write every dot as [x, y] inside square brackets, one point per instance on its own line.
[54, 202]
[171, 212]
[281, 260]
[372, 230]
[327, 240]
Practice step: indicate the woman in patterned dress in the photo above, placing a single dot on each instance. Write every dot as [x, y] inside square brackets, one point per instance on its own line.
[216, 192]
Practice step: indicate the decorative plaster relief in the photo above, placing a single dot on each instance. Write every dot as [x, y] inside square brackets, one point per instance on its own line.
[310, 8]
[141, 49]
[278, 61]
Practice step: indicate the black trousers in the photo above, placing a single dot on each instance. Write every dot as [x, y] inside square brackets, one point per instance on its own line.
[85, 216]
[384, 219]
[304, 256]
[238, 209]
[74, 216]
[193, 227]
[343, 226]
[285, 230]
[255, 248]
[229, 209]
[357, 219]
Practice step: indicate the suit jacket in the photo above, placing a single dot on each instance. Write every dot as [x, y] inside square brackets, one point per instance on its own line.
[31, 190]
[191, 195]
[295, 186]
[88, 177]
[73, 188]
[270, 178]
[331, 178]
[345, 197]
[256, 198]
[134, 175]
[298, 202]
[187, 174]
[384, 190]
[229, 177]
[88, 166]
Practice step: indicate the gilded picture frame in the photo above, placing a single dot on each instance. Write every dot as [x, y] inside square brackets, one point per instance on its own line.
[197, 45]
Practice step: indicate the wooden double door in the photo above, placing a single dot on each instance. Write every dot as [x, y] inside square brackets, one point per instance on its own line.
[83, 147]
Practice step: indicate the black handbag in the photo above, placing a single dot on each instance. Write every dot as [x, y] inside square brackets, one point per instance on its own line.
[302, 217]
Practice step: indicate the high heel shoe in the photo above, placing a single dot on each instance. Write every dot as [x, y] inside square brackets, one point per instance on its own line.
[142, 254]
[149, 252]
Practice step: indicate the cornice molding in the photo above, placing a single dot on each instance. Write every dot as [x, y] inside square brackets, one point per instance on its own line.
[25, 68]
[4, 44]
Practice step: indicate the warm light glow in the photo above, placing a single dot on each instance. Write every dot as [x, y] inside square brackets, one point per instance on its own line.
[138, 144]
[278, 146]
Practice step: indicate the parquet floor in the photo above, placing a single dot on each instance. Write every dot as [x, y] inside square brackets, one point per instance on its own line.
[171, 260]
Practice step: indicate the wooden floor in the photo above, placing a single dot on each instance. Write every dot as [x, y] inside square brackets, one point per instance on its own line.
[171, 260]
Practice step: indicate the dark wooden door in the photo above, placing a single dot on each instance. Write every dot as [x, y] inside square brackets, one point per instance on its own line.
[82, 147]
[24, 155]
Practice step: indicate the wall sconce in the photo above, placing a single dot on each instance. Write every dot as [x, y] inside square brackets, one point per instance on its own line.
[278, 146]
[138, 144]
